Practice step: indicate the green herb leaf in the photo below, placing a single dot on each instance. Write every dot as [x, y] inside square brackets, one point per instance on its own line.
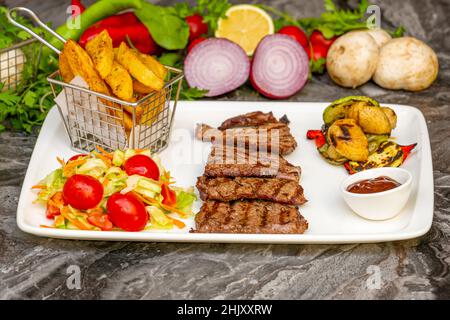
[171, 59]
[167, 29]
[212, 10]
[397, 33]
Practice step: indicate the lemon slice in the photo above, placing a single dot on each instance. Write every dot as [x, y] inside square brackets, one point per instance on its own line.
[245, 25]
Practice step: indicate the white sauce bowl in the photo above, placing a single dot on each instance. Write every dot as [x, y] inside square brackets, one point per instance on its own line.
[381, 205]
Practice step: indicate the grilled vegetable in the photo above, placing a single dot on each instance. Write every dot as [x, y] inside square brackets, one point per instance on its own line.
[388, 154]
[371, 119]
[339, 108]
[348, 139]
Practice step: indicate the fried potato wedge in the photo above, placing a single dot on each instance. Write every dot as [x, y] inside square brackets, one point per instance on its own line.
[154, 108]
[120, 82]
[130, 61]
[64, 68]
[158, 69]
[141, 88]
[81, 65]
[100, 49]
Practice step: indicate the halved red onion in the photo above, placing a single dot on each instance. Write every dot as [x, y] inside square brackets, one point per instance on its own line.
[217, 65]
[280, 67]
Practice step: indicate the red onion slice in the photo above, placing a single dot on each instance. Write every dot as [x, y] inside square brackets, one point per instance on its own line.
[217, 65]
[280, 67]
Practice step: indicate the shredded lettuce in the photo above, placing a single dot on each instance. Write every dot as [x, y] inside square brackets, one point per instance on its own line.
[118, 158]
[93, 167]
[54, 182]
[158, 219]
[185, 199]
[142, 185]
[117, 180]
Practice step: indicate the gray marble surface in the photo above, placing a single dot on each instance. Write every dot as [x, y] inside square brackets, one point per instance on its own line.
[37, 268]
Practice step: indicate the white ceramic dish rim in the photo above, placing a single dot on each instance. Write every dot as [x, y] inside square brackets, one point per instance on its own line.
[414, 228]
[363, 175]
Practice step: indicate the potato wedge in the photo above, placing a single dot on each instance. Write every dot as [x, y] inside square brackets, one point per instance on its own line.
[81, 65]
[158, 69]
[154, 108]
[120, 82]
[348, 139]
[64, 68]
[392, 116]
[100, 49]
[141, 88]
[130, 61]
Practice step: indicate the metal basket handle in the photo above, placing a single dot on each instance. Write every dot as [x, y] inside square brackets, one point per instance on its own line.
[39, 22]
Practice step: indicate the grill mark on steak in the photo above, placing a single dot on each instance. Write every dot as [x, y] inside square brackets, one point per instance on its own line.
[257, 217]
[231, 189]
[238, 162]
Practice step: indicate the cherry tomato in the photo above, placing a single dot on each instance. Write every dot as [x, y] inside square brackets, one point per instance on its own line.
[298, 35]
[127, 212]
[143, 166]
[100, 220]
[196, 26]
[317, 37]
[75, 157]
[195, 42]
[319, 52]
[169, 196]
[82, 192]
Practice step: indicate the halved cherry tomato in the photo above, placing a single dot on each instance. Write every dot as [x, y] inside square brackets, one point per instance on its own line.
[82, 192]
[100, 220]
[169, 196]
[195, 42]
[127, 212]
[75, 157]
[142, 165]
[196, 26]
[298, 35]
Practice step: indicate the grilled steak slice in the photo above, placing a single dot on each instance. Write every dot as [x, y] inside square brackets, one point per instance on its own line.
[249, 217]
[250, 119]
[227, 161]
[270, 189]
[274, 137]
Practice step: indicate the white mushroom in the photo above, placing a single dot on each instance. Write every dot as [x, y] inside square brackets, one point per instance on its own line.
[406, 63]
[352, 59]
[380, 36]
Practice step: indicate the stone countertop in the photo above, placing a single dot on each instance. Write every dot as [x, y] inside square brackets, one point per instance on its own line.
[40, 268]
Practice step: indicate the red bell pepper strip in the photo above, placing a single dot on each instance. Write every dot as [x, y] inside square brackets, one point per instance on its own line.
[77, 3]
[120, 27]
[100, 220]
[169, 196]
[316, 135]
[407, 150]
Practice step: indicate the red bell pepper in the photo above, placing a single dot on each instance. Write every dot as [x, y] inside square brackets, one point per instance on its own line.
[77, 3]
[407, 150]
[169, 196]
[316, 135]
[120, 27]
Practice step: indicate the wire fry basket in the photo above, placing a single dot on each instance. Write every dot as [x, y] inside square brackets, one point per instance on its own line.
[13, 60]
[94, 119]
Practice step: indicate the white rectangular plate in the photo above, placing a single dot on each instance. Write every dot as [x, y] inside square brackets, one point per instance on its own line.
[330, 220]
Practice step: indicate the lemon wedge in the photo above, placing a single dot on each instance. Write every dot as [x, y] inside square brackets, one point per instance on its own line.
[245, 25]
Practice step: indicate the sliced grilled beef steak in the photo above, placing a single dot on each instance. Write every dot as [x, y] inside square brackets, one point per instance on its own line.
[250, 119]
[228, 161]
[270, 189]
[249, 217]
[275, 137]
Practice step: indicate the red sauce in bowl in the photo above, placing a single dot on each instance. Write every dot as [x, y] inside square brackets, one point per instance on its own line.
[373, 185]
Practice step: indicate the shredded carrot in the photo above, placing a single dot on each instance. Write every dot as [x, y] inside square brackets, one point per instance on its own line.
[61, 161]
[75, 222]
[106, 160]
[44, 226]
[104, 152]
[39, 187]
[105, 183]
[180, 224]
